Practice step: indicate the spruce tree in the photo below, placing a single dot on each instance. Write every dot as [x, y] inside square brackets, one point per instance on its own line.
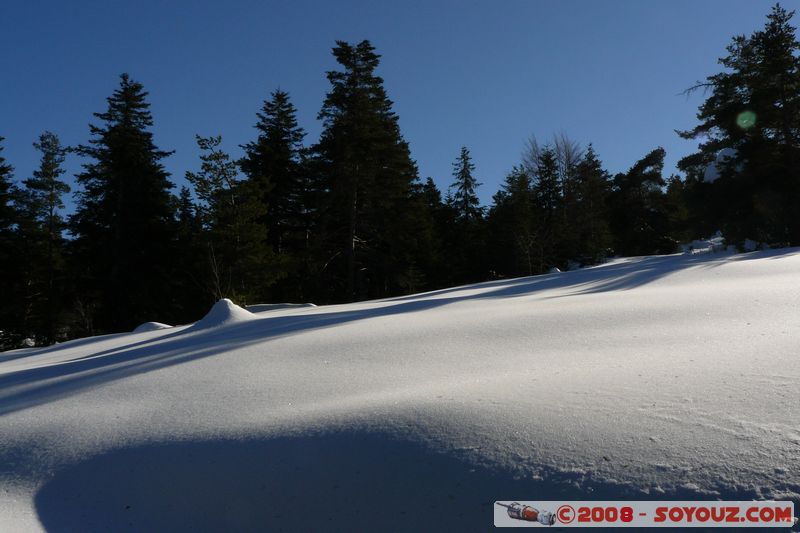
[754, 108]
[124, 223]
[369, 209]
[465, 239]
[272, 162]
[462, 192]
[42, 229]
[277, 164]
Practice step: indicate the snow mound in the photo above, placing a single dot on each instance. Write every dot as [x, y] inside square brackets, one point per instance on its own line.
[150, 326]
[223, 313]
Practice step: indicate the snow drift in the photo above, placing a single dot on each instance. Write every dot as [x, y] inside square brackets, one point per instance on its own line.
[669, 377]
[223, 313]
[150, 326]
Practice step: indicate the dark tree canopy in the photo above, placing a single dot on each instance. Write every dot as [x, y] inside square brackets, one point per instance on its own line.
[753, 111]
[41, 230]
[124, 220]
[369, 177]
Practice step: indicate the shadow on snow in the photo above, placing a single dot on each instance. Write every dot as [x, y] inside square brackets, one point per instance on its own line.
[29, 387]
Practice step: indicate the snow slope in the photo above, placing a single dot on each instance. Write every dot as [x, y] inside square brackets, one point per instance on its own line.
[671, 377]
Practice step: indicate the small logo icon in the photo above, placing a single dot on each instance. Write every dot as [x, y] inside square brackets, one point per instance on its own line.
[565, 514]
[529, 514]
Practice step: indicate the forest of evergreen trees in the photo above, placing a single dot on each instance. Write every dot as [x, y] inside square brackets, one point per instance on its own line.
[348, 218]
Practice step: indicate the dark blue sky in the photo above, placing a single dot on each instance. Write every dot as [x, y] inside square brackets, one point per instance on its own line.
[482, 74]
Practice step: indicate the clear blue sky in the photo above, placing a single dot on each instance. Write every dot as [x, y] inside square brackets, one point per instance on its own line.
[482, 74]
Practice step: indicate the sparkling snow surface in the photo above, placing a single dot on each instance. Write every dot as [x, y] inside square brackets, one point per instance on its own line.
[670, 377]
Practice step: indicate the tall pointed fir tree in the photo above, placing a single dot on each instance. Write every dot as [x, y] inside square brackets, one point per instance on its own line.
[124, 223]
[42, 228]
[753, 110]
[231, 212]
[466, 238]
[462, 192]
[369, 207]
[274, 164]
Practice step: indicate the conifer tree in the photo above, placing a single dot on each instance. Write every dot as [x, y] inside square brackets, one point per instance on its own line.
[462, 192]
[275, 163]
[369, 176]
[639, 217]
[42, 229]
[512, 222]
[10, 266]
[549, 205]
[231, 211]
[190, 285]
[272, 161]
[124, 223]
[753, 108]
[591, 216]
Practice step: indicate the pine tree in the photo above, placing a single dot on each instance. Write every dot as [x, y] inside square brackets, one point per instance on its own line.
[462, 195]
[753, 108]
[231, 211]
[639, 216]
[124, 222]
[42, 229]
[369, 208]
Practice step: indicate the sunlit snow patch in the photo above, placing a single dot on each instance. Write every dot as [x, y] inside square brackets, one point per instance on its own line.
[223, 313]
[714, 170]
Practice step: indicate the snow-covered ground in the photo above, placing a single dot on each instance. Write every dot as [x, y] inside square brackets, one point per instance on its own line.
[672, 377]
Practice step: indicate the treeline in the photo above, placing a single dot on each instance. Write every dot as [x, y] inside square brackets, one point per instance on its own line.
[347, 218]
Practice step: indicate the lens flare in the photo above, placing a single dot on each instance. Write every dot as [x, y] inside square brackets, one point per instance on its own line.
[746, 120]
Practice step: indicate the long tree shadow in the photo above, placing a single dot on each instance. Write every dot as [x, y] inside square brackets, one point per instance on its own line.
[339, 481]
[29, 387]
